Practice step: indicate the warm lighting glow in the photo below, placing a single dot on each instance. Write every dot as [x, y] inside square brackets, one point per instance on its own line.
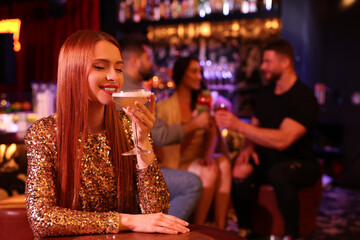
[181, 31]
[347, 3]
[10, 151]
[272, 24]
[205, 29]
[155, 78]
[170, 84]
[245, 28]
[150, 35]
[224, 132]
[12, 26]
[191, 31]
[2, 152]
[235, 26]
[171, 31]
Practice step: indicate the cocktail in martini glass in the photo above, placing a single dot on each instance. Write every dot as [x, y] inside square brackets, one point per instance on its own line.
[127, 99]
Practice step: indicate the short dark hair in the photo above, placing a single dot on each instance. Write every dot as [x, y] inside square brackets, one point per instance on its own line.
[281, 46]
[133, 43]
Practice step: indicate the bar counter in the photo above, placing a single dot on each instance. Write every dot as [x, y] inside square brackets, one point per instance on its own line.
[197, 232]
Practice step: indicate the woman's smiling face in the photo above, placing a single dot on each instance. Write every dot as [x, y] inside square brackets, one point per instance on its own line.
[193, 76]
[106, 72]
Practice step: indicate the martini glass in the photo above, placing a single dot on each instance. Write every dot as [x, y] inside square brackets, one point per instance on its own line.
[127, 99]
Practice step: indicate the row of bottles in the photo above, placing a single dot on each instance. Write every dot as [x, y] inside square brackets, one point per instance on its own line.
[219, 75]
[18, 112]
[8, 106]
[155, 10]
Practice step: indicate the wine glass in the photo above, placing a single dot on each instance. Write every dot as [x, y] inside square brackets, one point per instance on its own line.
[221, 107]
[126, 99]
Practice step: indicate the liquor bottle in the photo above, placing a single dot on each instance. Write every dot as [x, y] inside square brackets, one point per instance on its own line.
[226, 8]
[128, 10]
[207, 7]
[175, 9]
[268, 4]
[149, 8]
[165, 9]
[218, 6]
[237, 5]
[156, 11]
[245, 6]
[184, 6]
[136, 11]
[201, 8]
[142, 9]
[252, 6]
[121, 12]
[192, 8]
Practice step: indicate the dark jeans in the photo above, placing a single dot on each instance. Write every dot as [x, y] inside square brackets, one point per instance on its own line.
[287, 178]
[185, 189]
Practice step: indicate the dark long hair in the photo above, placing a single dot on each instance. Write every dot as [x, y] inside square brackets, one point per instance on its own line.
[75, 59]
[179, 69]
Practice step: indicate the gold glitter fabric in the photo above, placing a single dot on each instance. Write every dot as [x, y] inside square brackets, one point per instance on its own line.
[97, 191]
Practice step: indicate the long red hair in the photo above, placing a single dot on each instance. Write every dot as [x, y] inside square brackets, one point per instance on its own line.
[75, 60]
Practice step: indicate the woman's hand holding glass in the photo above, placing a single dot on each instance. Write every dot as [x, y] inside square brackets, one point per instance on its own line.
[156, 222]
[144, 119]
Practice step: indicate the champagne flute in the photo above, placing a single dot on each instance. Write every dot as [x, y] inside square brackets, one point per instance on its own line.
[127, 99]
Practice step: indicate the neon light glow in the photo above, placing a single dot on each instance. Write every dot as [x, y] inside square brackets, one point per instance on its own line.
[12, 26]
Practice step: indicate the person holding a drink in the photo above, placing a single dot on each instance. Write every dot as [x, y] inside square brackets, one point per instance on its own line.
[184, 187]
[78, 181]
[278, 148]
[197, 153]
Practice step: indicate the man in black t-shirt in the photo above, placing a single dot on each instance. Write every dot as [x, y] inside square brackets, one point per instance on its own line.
[278, 146]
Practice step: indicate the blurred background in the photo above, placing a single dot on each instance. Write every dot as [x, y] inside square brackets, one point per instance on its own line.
[226, 35]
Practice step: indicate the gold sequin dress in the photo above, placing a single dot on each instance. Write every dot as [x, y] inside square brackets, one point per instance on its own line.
[97, 191]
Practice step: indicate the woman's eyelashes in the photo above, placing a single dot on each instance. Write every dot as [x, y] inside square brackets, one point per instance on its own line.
[103, 67]
[99, 67]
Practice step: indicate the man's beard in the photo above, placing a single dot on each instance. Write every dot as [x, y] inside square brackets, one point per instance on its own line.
[273, 78]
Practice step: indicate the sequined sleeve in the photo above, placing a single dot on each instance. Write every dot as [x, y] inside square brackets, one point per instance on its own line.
[153, 193]
[45, 217]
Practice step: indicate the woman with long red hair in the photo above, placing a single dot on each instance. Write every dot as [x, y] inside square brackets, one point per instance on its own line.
[78, 182]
